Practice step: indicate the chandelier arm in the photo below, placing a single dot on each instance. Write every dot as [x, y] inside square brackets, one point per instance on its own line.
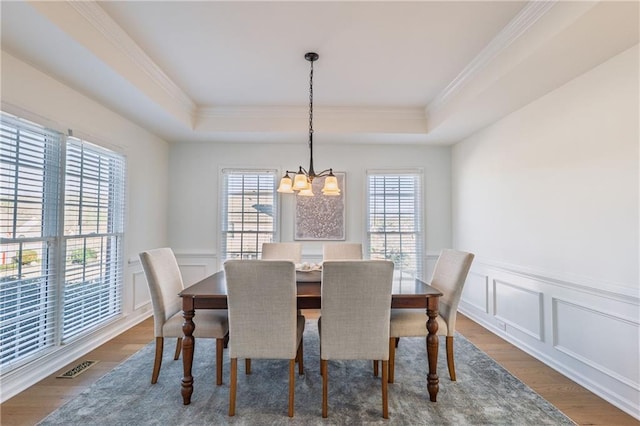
[327, 172]
[300, 169]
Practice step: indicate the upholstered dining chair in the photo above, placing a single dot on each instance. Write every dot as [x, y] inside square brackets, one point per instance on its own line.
[449, 277]
[353, 324]
[282, 251]
[165, 282]
[341, 251]
[263, 323]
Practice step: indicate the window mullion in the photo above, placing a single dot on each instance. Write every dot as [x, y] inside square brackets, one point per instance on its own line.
[59, 243]
[15, 184]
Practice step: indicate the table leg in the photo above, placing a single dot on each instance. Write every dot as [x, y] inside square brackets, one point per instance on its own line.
[432, 348]
[188, 343]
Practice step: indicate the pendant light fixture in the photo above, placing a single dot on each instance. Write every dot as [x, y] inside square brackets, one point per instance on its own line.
[303, 178]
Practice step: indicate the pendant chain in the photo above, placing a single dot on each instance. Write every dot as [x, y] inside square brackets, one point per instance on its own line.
[311, 105]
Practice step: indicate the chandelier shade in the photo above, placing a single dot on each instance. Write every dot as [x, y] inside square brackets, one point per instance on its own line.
[303, 178]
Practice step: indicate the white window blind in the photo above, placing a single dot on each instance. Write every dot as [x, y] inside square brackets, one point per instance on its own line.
[93, 232]
[29, 196]
[394, 221]
[248, 212]
[61, 224]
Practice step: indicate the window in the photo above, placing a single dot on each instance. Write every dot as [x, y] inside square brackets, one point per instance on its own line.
[93, 231]
[248, 213]
[61, 222]
[29, 190]
[394, 223]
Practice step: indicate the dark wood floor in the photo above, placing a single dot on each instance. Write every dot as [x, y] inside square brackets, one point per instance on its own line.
[579, 404]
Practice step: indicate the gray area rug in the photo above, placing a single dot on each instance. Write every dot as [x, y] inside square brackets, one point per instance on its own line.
[484, 394]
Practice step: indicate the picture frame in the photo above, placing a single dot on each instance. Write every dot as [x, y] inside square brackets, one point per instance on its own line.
[321, 217]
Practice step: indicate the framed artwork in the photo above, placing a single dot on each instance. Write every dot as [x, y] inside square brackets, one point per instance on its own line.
[321, 217]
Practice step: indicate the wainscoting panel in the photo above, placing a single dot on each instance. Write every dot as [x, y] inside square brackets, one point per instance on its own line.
[581, 330]
[196, 266]
[141, 295]
[587, 331]
[476, 292]
[518, 307]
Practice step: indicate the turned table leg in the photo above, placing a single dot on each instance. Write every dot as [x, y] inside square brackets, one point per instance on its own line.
[188, 344]
[432, 347]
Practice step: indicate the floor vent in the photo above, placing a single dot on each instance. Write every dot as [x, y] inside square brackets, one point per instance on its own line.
[75, 371]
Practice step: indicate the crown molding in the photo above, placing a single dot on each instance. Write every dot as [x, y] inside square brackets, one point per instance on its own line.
[518, 26]
[104, 24]
[248, 112]
[332, 120]
[333, 113]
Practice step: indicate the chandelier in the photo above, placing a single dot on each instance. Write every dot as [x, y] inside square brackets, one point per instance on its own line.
[303, 178]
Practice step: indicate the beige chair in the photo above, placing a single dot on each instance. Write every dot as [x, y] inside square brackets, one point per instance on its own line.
[282, 251]
[353, 324]
[449, 277]
[165, 282]
[342, 251]
[262, 317]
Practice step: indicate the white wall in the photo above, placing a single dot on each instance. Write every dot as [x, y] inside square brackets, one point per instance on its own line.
[194, 191]
[548, 199]
[32, 94]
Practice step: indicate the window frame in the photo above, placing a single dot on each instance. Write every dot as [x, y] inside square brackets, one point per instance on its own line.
[101, 304]
[224, 202]
[418, 217]
[40, 308]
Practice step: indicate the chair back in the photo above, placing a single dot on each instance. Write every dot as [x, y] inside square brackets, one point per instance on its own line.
[261, 300]
[356, 304]
[342, 251]
[449, 277]
[282, 251]
[165, 282]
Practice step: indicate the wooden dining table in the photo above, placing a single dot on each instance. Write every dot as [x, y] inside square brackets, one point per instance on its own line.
[211, 293]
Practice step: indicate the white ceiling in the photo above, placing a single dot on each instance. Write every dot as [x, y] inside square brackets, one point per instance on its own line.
[389, 72]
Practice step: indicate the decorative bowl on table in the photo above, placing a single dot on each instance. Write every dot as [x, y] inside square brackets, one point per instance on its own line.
[310, 272]
[308, 267]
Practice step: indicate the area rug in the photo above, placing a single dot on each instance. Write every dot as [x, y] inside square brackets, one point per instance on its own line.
[484, 393]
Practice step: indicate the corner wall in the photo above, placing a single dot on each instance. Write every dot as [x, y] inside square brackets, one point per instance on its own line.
[548, 200]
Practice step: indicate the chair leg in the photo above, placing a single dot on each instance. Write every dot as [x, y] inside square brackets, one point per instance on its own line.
[450, 364]
[325, 387]
[300, 359]
[178, 348]
[158, 361]
[232, 386]
[292, 384]
[247, 366]
[392, 357]
[219, 349]
[385, 396]
[375, 367]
